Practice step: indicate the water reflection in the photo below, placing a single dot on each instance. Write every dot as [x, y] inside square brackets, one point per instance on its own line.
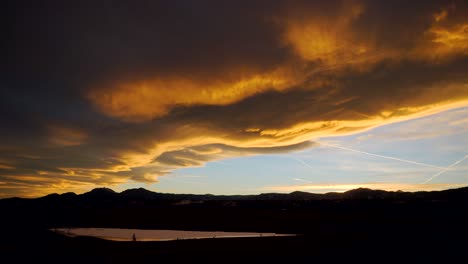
[117, 234]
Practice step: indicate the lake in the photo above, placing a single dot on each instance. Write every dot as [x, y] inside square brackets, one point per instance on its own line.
[117, 234]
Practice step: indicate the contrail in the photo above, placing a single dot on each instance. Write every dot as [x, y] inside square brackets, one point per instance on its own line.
[445, 170]
[303, 162]
[386, 157]
[302, 180]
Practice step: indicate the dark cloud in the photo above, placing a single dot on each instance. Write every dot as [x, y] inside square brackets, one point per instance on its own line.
[109, 91]
[90, 41]
[197, 155]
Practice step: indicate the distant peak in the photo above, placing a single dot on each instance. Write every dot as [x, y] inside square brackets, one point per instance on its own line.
[136, 190]
[360, 190]
[139, 193]
[102, 190]
[51, 195]
[299, 193]
[68, 194]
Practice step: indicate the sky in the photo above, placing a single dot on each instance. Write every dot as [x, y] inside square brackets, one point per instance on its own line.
[233, 97]
[410, 156]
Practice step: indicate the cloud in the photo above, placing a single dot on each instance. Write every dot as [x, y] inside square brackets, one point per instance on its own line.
[65, 136]
[446, 39]
[329, 39]
[449, 123]
[195, 156]
[113, 91]
[152, 98]
[7, 167]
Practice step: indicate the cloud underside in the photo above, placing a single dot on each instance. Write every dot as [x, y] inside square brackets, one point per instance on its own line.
[126, 93]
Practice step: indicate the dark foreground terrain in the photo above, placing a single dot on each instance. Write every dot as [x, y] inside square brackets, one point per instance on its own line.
[357, 226]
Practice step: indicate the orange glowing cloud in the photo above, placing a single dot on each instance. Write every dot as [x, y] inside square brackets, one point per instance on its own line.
[183, 94]
[329, 40]
[326, 47]
[446, 38]
[144, 100]
[450, 40]
[6, 167]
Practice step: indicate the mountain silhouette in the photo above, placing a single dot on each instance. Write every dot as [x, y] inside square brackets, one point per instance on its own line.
[100, 192]
[106, 195]
[358, 194]
[373, 223]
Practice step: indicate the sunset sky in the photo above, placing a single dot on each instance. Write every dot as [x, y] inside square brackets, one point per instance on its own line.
[233, 97]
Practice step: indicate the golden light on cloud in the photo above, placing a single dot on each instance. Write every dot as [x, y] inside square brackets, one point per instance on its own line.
[438, 17]
[38, 188]
[445, 38]
[6, 167]
[42, 183]
[148, 99]
[170, 95]
[307, 130]
[329, 40]
[189, 146]
[451, 40]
